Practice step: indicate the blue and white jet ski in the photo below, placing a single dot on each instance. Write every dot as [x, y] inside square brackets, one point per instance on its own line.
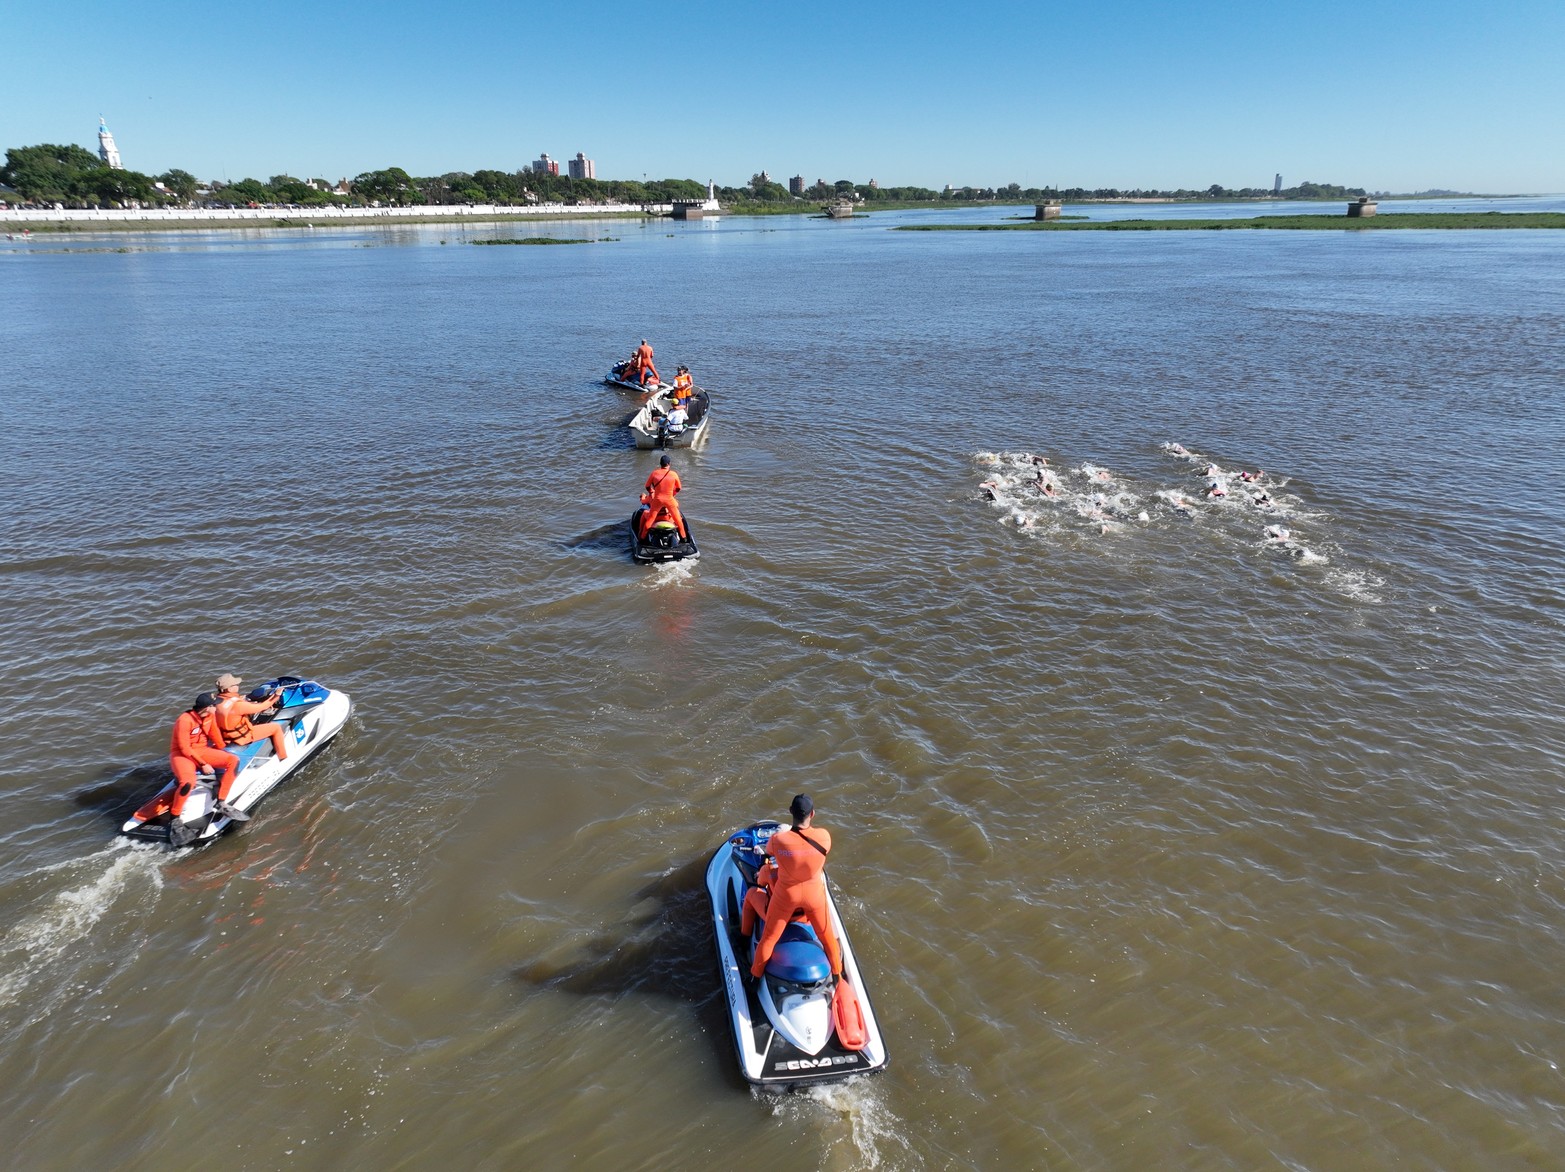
[618, 378]
[311, 715]
[795, 1026]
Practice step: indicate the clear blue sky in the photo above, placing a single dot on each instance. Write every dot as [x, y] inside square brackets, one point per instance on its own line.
[1119, 93]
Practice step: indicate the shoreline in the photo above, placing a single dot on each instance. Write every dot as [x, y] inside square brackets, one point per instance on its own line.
[1318, 223]
[14, 222]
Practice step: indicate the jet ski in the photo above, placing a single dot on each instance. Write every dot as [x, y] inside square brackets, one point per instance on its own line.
[650, 427]
[662, 542]
[629, 382]
[795, 1026]
[310, 714]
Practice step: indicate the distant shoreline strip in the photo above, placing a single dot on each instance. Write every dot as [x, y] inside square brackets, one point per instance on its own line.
[1319, 222]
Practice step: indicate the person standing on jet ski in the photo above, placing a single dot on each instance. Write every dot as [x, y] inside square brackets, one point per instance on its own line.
[798, 885]
[658, 494]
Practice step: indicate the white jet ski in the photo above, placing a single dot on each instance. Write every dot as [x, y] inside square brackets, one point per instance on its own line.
[311, 715]
[795, 1026]
[627, 382]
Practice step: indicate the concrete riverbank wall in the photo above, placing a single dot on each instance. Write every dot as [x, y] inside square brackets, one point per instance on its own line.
[87, 218]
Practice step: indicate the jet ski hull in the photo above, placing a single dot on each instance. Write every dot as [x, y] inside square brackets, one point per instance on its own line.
[311, 715]
[767, 1058]
[629, 384]
[649, 551]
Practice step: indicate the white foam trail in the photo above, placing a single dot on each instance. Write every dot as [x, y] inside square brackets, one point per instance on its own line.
[669, 574]
[35, 942]
[873, 1128]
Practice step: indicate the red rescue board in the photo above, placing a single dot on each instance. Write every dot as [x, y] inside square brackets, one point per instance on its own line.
[847, 1017]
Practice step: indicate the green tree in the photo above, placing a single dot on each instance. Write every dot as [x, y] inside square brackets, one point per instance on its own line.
[391, 186]
[105, 186]
[182, 184]
[248, 191]
[48, 173]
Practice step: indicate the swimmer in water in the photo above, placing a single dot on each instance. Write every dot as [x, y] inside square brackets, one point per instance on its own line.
[1041, 461]
[1251, 477]
[1277, 533]
[1177, 449]
[1217, 488]
[1260, 499]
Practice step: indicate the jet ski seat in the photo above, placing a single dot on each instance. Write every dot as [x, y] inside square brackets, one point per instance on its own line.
[799, 958]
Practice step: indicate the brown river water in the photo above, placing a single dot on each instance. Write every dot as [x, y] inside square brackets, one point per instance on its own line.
[1163, 843]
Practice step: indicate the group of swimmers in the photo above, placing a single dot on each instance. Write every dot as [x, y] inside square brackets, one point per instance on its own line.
[1018, 477]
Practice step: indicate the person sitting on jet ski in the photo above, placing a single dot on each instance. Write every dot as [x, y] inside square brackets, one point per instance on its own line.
[798, 885]
[196, 744]
[234, 713]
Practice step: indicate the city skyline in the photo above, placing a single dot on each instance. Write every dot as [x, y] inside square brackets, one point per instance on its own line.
[1128, 95]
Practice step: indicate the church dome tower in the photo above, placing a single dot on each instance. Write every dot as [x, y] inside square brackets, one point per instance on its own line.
[107, 151]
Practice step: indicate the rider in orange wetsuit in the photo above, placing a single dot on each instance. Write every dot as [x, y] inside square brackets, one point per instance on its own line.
[799, 885]
[657, 495]
[193, 745]
[234, 713]
[644, 362]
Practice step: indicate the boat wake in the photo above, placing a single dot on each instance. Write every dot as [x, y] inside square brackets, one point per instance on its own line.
[1254, 508]
[669, 574]
[38, 946]
[872, 1134]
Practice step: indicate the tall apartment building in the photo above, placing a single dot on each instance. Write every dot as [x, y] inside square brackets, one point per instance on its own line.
[544, 165]
[796, 185]
[581, 167]
[1277, 184]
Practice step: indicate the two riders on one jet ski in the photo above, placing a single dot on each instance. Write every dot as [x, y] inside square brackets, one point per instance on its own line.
[202, 734]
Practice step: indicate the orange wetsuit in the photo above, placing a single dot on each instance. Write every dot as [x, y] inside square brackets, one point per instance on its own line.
[193, 745]
[658, 494]
[800, 886]
[644, 363]
[233, 722]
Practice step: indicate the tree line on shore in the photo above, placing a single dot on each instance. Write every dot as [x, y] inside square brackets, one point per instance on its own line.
[75, 177]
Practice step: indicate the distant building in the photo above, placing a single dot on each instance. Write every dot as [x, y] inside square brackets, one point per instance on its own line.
[1277, 184]
[873, 185]
[107, 151]
[581, 167]
[796, 185]
[544, 165]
